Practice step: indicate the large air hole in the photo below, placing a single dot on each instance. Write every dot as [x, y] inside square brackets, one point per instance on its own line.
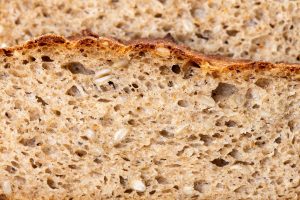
[223, 91]
[158, 15]
[278, 140]
[72, 166]
[263, 83]
[7, 66]
[134, 85]
[97, 160]
[161, 180]
[242, 189]
[8, 115]
[230, 123]
[166, 133]
[128, 191]
[164, 70]
[25, 62]
[199, 185]
[192, 138]
[132, 122]
[10, 169]
[35, 164]
[183, 103]
[51, 183]
[206, 139]
[77, 68]
[40, 100]
[126, 90]
[220, 162]
[81, 153]
[46, 59]
[152, 192]
[28, 142]
[46, 66]
[31, 58]
[122, 180]
[232, 32]
[57, 112]
[73, 91]
[234, 153]
[294, 125]
[176, 69]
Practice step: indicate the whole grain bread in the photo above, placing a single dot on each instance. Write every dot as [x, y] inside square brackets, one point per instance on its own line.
[261, 30]
[94, 118]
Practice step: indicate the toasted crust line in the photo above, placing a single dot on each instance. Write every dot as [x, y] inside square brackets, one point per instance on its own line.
[226, 64]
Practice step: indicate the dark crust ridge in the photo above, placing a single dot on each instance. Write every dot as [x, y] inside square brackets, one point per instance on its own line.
[217, 63]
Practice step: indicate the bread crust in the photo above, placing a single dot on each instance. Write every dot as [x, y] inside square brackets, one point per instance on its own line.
[223, 64]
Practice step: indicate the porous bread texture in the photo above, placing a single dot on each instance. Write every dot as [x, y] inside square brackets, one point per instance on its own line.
[261, 30]
[97, 119]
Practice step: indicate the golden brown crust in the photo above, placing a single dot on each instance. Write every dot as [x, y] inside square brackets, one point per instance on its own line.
[87, 38]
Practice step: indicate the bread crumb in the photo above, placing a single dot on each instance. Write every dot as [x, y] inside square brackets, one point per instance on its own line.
[138, 185]
[103, 79]
[120, 135]
[181, 128]
[51, 140]
[105, 43]
[162, 51]
[81, 90]
[102, 73]
[188, 190]
[207, 101]
[3, 45]
[121, 63]
[200, 13]
[236, 167]
[189, 152]
[188, 26]
[6, 187]
[90, 133]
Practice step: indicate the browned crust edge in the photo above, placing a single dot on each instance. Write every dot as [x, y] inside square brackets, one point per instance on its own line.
[92, 40]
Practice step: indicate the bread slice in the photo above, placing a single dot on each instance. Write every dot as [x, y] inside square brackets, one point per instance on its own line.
[94, 118]
[260, 30]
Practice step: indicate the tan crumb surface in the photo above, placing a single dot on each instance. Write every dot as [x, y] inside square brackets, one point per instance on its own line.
[96, 119]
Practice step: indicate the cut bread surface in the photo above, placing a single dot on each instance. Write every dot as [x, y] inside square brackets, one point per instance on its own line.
[260, 30]
[93, 118]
